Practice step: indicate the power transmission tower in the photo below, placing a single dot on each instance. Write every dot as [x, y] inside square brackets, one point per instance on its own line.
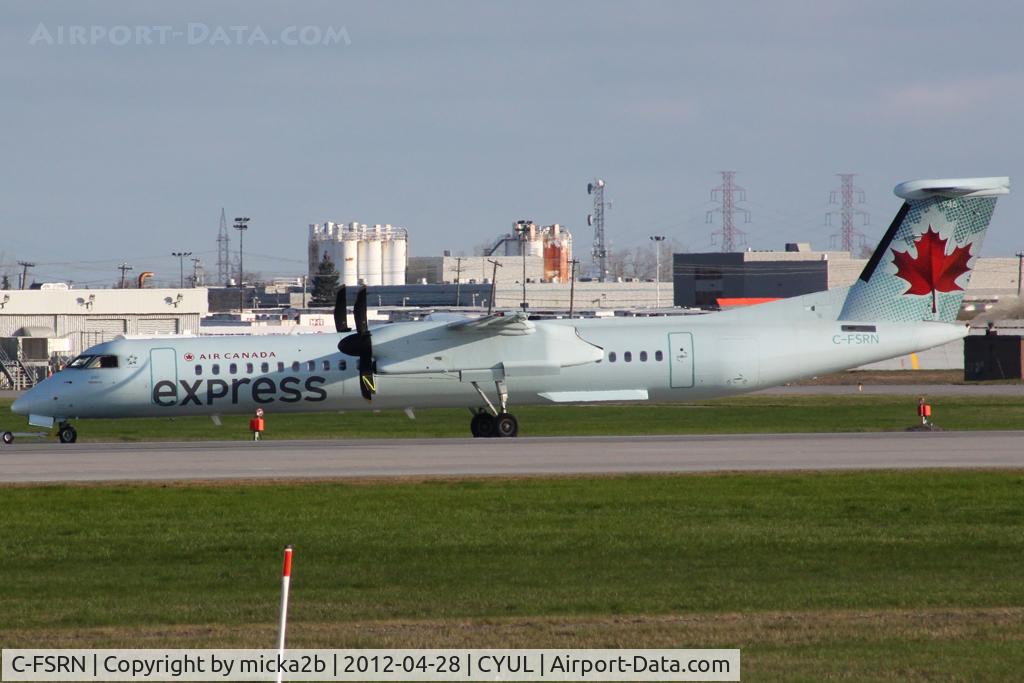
[729, 193]
[846, 196]
[223, 251]
[599, 252]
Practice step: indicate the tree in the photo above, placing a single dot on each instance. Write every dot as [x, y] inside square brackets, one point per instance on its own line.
[325, 283]
[5, 282]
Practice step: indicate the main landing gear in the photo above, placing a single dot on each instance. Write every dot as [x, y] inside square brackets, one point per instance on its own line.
[497, 422]
[66, 433]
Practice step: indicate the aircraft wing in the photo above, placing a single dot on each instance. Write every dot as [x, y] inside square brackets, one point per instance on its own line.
[495, 344]
[513, 324]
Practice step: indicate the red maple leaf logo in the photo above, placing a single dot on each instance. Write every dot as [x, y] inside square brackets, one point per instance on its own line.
[189, 356]
[932, 270]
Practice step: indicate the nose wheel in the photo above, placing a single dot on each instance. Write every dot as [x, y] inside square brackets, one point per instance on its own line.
[66, 433]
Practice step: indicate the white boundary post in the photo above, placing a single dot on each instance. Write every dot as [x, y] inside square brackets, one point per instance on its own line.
[286, 578]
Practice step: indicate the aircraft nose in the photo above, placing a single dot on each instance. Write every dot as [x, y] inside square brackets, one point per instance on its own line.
[24, 404]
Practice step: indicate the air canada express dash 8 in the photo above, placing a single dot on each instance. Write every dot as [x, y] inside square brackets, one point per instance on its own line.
[906, 299]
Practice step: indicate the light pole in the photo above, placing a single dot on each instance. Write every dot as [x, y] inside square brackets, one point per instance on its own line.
[241, 225]
[181, 255]
[523, 228]
[657, 239]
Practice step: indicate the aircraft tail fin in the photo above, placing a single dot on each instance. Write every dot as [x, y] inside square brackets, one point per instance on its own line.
[920, 269]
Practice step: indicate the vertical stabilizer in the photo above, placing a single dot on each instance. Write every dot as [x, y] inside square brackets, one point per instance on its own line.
[923, 264]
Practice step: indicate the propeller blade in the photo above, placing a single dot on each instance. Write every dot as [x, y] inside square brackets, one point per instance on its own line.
[367, 385]
[359, 313]
[341, 311]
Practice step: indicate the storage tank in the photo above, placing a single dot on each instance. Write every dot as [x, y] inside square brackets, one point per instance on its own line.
[552, 261]
[394, 252]
[370, 257]
[348, 258]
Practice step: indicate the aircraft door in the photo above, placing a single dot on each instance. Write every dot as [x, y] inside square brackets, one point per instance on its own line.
[680, 367]
[163, 366]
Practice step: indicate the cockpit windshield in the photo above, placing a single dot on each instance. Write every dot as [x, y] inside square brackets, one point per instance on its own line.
[91, 362]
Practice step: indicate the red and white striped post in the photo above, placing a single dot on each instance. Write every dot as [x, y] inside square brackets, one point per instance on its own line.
[286, 578]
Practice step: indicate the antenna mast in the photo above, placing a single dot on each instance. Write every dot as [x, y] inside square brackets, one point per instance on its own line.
[599, 252]
[223, 251]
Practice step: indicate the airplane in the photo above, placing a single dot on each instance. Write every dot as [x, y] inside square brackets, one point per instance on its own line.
[905, 300]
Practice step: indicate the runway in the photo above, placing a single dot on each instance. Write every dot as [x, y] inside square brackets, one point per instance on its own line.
[160, 462]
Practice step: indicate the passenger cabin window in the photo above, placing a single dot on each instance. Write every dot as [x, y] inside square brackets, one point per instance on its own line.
[627, 356]
[295, 366]
[643, 356]
[280, 366]
[248, 368]
[327, 365]
[342, 365]
[611, 356]
[215, 368]
[265, 367]
[199, 370]
[233, 368]
[659, 356]
[311, 365]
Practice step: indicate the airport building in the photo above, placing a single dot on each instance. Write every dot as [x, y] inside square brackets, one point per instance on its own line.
[700, 279]
[38, 326]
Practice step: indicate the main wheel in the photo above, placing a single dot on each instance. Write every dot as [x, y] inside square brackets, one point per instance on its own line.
[67, 434]
[8, 438]
[482, 426]
[506, 425]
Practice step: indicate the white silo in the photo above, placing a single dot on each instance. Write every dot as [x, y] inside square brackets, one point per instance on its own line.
[394, 250]
[348, 256]
[374, 257]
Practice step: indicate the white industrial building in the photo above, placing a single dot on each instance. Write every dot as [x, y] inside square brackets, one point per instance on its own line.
[38, 324]
[371, 255]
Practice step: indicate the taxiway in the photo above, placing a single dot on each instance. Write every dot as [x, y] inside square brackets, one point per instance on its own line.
[52, 462]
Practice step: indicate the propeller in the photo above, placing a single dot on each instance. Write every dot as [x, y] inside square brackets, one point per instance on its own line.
[341, 312]
[360, 345]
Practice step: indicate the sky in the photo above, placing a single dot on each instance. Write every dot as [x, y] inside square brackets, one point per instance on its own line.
[121, 142]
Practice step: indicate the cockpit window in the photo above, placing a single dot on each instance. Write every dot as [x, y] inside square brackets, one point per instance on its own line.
[92, 362]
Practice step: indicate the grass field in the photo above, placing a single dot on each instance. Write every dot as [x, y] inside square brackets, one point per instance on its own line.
[840, 576]
[749, 414]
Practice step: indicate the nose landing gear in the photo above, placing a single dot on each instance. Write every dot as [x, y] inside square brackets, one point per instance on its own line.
[66, 433]
[497, 422]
